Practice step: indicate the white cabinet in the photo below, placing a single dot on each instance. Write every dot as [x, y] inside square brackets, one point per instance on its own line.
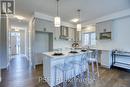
[43, 25]
[38, 58]
[77, 36]
[56, 33]
[106, 58]
[103, 30]
[66, 33]
[71, 34]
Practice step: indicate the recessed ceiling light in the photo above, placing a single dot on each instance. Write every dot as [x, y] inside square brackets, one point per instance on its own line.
[75, 20]
[19, 17]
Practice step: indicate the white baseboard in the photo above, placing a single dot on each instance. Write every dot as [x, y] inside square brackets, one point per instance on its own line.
[108, 67]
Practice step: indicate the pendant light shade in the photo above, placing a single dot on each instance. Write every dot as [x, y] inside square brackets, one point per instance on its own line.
[79, 26]
[57, 19]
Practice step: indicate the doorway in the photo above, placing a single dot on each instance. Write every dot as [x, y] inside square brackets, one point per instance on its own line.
[15, 43]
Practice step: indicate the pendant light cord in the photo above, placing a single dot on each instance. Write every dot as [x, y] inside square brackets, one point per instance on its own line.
[57, 7]
[79, 15]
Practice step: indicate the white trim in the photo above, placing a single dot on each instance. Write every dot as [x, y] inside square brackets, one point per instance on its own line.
[51, 18]
[43, 16]
[116, 15]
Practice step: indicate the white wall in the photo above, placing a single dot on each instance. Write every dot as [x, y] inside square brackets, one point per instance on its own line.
[120, 36]
[89, 28]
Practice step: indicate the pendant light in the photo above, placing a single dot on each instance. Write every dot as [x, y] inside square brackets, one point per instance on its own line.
[79, 26]
[57, 20]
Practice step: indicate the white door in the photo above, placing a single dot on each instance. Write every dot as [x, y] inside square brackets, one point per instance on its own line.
[13, 45]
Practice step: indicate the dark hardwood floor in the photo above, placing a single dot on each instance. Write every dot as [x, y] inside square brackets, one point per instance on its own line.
[20, 75]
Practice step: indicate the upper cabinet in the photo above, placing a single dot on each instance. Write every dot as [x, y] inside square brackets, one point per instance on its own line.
[56, 33]
[64, 32]
[67, 33]
[71, 34]
[43, 25]
[104, 30]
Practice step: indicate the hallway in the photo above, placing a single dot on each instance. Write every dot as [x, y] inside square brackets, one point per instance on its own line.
[19, 74]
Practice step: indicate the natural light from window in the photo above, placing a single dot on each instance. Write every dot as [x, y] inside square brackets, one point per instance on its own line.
[89, 39]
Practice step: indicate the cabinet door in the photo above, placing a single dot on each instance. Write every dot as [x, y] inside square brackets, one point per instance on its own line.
[106, 59]
[43, 25]
[77, 36]
[56, 33]
[64, 31]
[71, 33]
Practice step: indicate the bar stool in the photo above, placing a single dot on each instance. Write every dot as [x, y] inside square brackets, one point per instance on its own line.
[65, 68]
[93, 58]
[83, 65]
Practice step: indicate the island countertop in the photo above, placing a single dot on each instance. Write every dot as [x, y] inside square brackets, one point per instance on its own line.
[65, 54]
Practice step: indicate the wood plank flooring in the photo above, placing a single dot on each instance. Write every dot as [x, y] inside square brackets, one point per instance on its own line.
[20, 75]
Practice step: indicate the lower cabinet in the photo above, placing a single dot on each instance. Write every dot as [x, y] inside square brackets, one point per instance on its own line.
[39, 59]
[106, 58]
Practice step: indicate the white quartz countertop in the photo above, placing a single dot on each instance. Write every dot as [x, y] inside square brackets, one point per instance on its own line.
[65, 54]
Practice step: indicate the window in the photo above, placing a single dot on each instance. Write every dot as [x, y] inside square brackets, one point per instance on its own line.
[88, 39]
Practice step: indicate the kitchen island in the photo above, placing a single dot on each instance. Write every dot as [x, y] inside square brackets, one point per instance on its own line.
[49, 62]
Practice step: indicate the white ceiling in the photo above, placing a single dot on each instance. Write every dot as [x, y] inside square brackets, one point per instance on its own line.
[90, 9]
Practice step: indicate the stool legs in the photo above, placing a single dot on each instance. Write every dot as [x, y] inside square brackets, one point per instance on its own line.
[65, 78]
[97, 69]
[93, 70]
[88, 72]
[93, 73]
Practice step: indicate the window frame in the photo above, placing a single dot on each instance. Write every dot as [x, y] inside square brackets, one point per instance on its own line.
[90, 40]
